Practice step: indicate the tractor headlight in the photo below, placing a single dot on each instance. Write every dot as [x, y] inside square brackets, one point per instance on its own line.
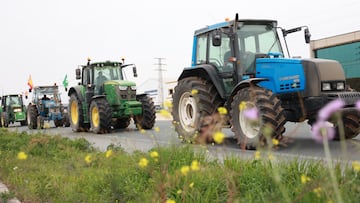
[133, 87]
[122, 88]
[326, 86]
[17, 110]
[340, 85]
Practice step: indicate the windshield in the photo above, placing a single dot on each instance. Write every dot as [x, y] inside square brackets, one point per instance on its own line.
[11, 100]
[106, 73]
[47, 92]
[258, 39]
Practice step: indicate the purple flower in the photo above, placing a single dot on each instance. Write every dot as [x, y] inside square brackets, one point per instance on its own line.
[321, 130]
[252, 113]
[330, 108]
[357, 105]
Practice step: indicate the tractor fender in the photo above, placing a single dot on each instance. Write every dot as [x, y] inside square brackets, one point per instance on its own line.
[242, 84]
[78, 91]
[207, 72]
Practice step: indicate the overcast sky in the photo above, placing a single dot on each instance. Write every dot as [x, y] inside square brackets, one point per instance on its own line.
[48, 39]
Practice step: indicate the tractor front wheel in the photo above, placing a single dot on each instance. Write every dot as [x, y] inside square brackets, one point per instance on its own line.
[147, 119]
[100, 116]
[4, 120]
[32, 114]
[76, 114]
[256, 117]
[195, 103]
[121, 123]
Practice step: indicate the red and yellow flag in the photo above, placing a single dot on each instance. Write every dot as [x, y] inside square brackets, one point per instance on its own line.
[30, 83]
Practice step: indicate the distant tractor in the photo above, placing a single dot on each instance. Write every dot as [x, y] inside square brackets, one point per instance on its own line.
[240, 65]
[103, 100]
[12, 110]
[46, 105]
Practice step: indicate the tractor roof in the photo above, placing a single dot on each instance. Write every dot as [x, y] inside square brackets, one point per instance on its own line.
[230, 23]
[106, 63]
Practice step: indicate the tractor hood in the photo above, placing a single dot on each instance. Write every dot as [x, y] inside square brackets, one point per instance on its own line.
[120, 83]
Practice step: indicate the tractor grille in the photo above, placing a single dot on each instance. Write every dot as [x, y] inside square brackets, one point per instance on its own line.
[349, 98]
[127, 94]
[290, 86]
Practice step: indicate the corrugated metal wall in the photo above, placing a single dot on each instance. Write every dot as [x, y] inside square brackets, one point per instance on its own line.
[348, 55]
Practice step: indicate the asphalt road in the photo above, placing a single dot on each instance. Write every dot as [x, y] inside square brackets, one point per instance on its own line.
[300, 143]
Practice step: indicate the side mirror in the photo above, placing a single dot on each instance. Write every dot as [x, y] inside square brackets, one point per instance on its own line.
[307, 35]
[134, 71]
[216, 39]
[78, 73]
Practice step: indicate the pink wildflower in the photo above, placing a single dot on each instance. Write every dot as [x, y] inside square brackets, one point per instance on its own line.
[330, 108]
[252, 113]
[323, 129]
[357, 105]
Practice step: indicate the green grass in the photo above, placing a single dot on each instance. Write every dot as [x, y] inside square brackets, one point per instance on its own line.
[55, 170]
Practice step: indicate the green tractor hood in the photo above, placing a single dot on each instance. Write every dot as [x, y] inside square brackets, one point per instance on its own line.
[120, 83]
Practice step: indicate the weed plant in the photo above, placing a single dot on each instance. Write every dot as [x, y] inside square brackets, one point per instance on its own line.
[44, 168]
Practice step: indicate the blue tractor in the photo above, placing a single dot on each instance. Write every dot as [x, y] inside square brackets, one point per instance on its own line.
[46, 106]
[243, 64]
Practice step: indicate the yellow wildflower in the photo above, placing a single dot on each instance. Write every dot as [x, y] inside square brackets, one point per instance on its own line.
[88, 159]
[356, 165]
[242, 105]
[194, 91]
[143, 162]
[154, 154]
[142, 131]
[317, 191]
[179, 191]
[219, 137]
[257, 155]
[168, 104]
[170, 201]
[305, 179]
[157, 129]
[165, 113]
[22, 155]
[185, 170]
[195, 166]
[108, 153]
[191, 185]
[222, 110]
[271, 157]
[275, 141]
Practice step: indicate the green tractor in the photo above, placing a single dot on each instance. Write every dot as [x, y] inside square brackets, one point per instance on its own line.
[103, 100]
[12, 110]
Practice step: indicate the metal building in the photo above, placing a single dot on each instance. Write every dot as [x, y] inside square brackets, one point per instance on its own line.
[344, 48]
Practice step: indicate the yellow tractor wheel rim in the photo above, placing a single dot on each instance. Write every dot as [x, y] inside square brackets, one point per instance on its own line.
[74, 112]
[95, 117]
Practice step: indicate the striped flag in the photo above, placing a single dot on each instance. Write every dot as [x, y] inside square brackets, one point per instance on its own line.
[30, 83]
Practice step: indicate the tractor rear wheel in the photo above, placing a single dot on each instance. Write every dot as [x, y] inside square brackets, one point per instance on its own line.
[147, 119]
[32, 114]
[351, 125]
[100, 116]
[267, 121]
[194, 102]
[76, 114]
[121, 123]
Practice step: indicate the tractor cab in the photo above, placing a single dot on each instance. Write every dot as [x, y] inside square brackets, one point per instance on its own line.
[12, 110]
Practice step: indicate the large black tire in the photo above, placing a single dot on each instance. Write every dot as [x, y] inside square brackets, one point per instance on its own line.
[66, 120]
[76, 114]
[147, 119]
[100, 116]
[121, 123]
[271, 119]
[32, 114]
[190, 110]
[59, 122]
[350, 124]
[4, 119]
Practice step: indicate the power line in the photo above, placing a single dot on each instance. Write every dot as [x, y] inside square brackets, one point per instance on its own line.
[161, 81]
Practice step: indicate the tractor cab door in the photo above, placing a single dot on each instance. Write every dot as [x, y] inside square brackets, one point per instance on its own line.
[221, 56]
[88, 84]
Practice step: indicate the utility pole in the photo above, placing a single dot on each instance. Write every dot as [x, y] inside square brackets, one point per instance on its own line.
[161, 81]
